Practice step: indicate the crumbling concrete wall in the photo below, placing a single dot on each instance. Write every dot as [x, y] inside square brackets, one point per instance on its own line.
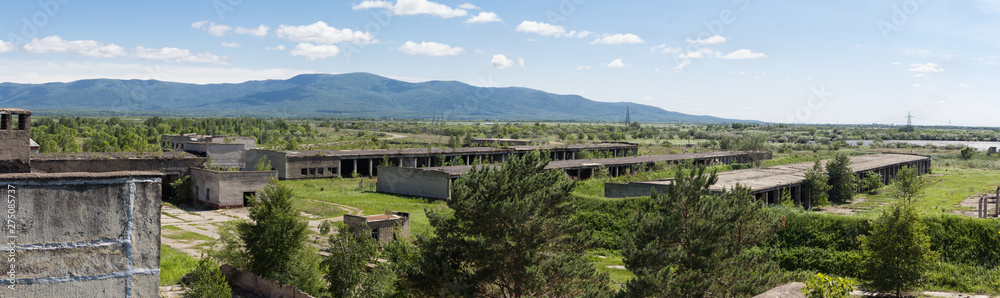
[414, 182]
[278, 160]
[250, 281]
[225, 189]
[82, 235]
[312, 167]
[634, 189]
[386, 227]
[15, 141]
[223, 155]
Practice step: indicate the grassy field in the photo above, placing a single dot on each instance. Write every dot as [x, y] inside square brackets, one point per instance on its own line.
[360, 193]
[174, 265]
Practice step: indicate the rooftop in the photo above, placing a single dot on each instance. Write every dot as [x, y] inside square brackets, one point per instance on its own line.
[607, 162]
[111, 155]
[471, 150]
[14, 111]
[381, 217]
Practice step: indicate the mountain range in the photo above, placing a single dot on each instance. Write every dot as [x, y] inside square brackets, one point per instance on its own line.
[352, 95]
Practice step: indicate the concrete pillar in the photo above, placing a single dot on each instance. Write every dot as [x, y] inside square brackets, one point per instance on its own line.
[797, 195]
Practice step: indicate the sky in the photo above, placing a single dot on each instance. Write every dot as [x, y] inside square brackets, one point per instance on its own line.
[841, 62]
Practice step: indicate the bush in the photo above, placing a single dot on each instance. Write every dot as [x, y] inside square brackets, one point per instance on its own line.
[871, 182]
[967, 153]
[822, 286]
[207, 281]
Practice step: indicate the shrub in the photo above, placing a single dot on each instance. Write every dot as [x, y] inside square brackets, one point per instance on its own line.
[822, 286]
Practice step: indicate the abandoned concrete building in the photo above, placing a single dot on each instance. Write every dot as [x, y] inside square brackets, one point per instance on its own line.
[344, 163]
[435, 182]
[224, 151]
[768, 183]
[383, 227]
[226, 189]
[174, 165]
[77, 234]
[488, 142]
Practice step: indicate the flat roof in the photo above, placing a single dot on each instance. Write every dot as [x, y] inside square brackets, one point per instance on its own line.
[381, 217]
[14, 111]
[423, 151]
[111, 155]
[791, 174]
[595, 162]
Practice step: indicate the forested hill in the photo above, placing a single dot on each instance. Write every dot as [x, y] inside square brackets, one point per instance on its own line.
[324, 95]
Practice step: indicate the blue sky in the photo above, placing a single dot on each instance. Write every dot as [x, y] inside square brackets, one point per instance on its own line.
[778, 61]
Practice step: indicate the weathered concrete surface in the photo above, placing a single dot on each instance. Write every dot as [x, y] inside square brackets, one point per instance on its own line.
[15, 140]
[789, 290]
[226, 189]
[414, 182]
[84, 234]
[628, 190]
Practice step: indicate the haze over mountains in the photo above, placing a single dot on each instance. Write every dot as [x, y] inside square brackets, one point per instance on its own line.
[324, 95]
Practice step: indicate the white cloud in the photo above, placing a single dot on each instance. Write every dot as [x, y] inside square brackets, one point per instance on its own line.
[320, 32]
[546, 29]
[501, 62]
[683, 65]
[617, 39]
[711, 40]
[468, 6]
[963, 85]
[6, 46]
[926, 67]
[701, 53]
[231, 45]
[178, 55]
[584, 67]
[29, 71]
[277, 48]
[744, 54]
[897, 63]
[417, 7]
[313, 52]
[617, 63]
[90, 48]
[369, 4]
[520, 62]
[484, 17]
[160, 54]
[664, 49]
[917, 85]
[988, 6]
[212, 28]
[429, 48]
[260, 31]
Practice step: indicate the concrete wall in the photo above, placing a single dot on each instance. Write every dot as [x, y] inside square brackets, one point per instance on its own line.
[386, 228]
[314, 167]
[634, 189]
[222, 189]
[414, 182]
[84, 235]
[250, 281]
[223, 155]
[278, 160]
[15, 144]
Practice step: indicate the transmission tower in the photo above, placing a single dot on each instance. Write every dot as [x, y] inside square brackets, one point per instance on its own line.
[909, 119]
[628, 120]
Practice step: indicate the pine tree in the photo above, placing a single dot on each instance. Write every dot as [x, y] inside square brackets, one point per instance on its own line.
[842, 178]
[207, 281]
[347, 266]
[275, 234]
[896, 256]
[511, 234]
[699, 244]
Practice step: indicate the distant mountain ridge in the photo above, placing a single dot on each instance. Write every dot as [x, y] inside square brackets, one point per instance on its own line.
[360, 95]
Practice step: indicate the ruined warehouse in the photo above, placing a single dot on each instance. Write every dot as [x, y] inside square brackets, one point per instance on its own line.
[344, 163]
[435, 182]
[768, 183]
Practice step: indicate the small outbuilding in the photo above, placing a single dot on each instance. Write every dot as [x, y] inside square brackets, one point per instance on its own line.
[227, 189]
[383, 226]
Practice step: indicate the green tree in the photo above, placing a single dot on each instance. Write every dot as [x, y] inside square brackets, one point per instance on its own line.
[347, 269]
[967, 153]
[896, 255]
[207, 281]
[262, 164]
[816, 182]
[274, 235]
[183, 192]
[842, 178]
[698, 244]
[907, 185]
[871, 182]
[512, 233]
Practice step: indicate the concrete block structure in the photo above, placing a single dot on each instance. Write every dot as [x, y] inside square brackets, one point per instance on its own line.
[227, 189]
[382, 227]
[768, 183]
[174, 165]
[82, 235]
[477, 142]
[435, 182]
[15, 140]
[225, 151]
[345, 163]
